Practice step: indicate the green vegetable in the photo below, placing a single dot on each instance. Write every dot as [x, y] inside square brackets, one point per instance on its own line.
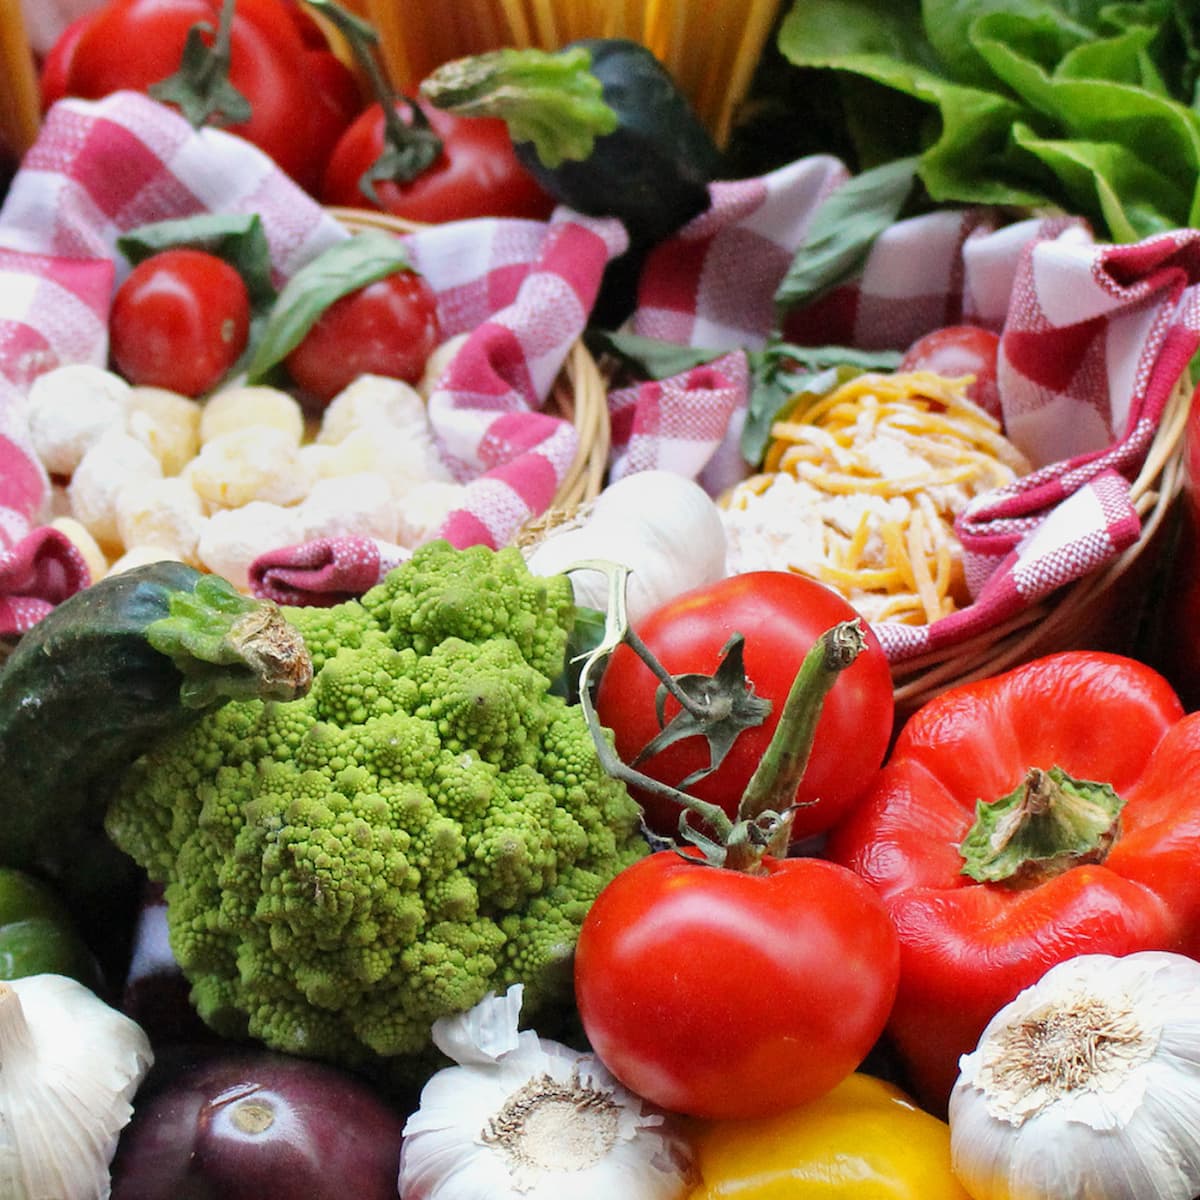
[88, 688]
[600, 124]
[1078, 104]
[111, 669]
[427, 825]
[38, 935]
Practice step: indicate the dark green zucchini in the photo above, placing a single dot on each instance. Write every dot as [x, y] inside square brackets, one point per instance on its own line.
[600, 123]
[108, 672]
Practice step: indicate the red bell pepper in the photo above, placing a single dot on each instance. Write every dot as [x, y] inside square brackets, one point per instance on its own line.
[994, 865]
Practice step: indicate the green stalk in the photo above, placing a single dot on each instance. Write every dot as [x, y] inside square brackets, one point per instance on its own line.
[548, 98]
[229, 646]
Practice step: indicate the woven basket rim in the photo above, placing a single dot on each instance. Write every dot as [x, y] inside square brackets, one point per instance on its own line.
[1036, 630]
[580, 394]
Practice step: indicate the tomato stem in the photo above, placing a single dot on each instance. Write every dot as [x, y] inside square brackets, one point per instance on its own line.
[785, 760]
[408, 148]
[201, 89]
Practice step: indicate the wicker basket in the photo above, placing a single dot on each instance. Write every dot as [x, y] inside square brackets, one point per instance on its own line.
[580, 393]
[1095, 612]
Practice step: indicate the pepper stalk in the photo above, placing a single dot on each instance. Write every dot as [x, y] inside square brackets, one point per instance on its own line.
[763, 822]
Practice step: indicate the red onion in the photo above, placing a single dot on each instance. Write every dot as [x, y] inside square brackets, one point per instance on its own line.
[254, 1125]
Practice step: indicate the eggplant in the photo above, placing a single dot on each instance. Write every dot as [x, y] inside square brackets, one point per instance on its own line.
[249, 1124]
[600, 124]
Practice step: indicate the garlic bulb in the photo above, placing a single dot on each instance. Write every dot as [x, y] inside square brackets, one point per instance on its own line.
[526, 1117]
[69, 1066]
[664, 527]
[1086, 1086]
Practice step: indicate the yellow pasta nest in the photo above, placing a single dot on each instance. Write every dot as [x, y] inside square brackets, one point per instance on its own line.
[860, 489]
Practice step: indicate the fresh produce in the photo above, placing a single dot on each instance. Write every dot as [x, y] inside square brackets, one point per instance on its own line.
[780, 616]
[719, 977]
[426, 825]
[662, 525]
[528, 1118]
[1086, 1085]
[389, 327]
[96, 681]
[180, 320]
[71, 1066]
[254, 74]
[865, 1133]
[953, 351]
[38, 934]
[600, 124]
[1089, 107]
[233, 1123]
[357, 307]
[1023, 819]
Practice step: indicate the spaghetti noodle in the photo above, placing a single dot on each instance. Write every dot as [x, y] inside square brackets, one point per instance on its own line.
[711, 50]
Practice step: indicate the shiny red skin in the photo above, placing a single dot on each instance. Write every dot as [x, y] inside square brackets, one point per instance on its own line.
[724, 995]
[968, 948]
[136, 43]
[781, 615]
[476, 175]
[327, 1135]
[179, 321]
[956, 350]
[390, 327]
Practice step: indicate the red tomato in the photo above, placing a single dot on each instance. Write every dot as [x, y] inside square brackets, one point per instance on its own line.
[137, 43]
[724, 995]
[56, 66]
[960, 350]
[389, 327]
[179, 321]
[781, 615]
[476, 175]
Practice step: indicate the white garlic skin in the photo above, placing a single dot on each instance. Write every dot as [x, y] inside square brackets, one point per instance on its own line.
[1132, 1132]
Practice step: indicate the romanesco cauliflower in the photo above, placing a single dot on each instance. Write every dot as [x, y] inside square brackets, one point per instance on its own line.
[427, 825]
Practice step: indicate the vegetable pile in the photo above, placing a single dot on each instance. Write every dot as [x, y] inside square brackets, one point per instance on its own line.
[604, 863]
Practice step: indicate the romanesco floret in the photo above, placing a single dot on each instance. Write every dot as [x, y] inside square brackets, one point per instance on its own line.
[430, 823]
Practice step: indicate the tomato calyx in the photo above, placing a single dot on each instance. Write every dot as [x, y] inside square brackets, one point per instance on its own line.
[762, 823]
[1046, 825]
[717, 707]
[201, 88]
[409, 148]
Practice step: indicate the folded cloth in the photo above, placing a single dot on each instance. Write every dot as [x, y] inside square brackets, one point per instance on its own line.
[521, 290]
[1094, 340]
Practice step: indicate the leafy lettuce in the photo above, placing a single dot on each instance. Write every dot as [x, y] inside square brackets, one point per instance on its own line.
[1080, 105]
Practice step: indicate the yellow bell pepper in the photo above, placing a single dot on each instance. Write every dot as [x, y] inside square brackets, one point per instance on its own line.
[863, 1140]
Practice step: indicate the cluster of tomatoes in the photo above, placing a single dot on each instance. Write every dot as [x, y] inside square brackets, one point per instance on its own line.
[310, 111]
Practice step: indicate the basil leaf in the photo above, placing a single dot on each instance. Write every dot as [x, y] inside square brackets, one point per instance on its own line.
[843, 230]
[648, 356]
[336, 272]
[238, 238]
[783, 373]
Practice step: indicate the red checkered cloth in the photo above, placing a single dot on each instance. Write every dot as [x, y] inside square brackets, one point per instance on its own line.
[1094, 339]
[523, 290]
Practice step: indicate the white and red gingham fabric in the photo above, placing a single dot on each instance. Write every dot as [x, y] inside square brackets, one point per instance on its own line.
[1094, 338]
[523, 288]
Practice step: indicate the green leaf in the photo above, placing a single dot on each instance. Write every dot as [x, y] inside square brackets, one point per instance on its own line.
[238, 238]
[783, 375]
[843, 230]
[650, 357]
[343, 268]
[817, 32]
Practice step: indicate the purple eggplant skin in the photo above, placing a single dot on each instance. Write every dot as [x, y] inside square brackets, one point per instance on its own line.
[249, 1124]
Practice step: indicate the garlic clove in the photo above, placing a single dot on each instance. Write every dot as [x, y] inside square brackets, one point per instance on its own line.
[71, 1065]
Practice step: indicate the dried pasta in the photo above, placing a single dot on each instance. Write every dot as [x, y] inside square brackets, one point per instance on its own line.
[711, 49]
[860, 489]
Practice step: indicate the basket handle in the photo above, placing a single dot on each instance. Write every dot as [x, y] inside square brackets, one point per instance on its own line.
[20, 101]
